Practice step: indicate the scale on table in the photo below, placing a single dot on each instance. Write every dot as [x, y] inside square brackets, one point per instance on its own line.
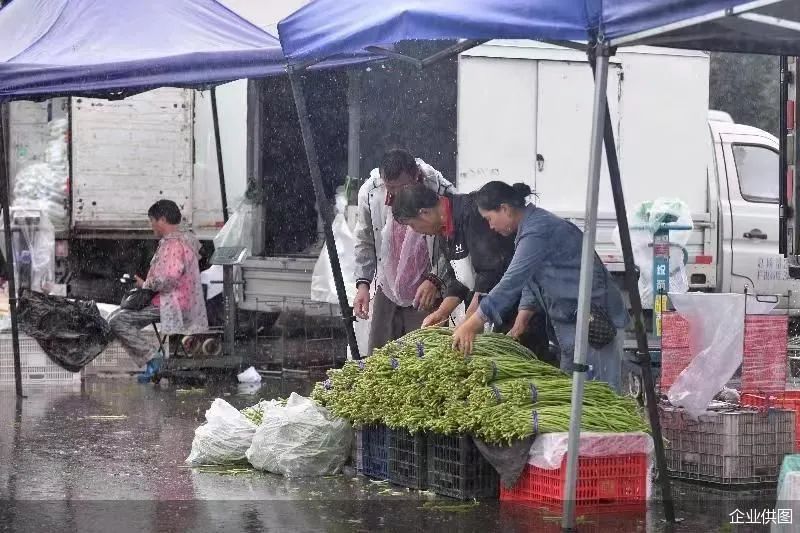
[229, 257]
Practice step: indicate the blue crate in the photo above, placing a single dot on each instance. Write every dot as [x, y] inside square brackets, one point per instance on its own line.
[375, 451]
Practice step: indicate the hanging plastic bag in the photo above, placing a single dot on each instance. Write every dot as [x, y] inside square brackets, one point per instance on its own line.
[323, 288]
[644, 221]
[716, 340]
[224, 438]
[34, 246]
[301, 439]
[238, 230]
[405, 262]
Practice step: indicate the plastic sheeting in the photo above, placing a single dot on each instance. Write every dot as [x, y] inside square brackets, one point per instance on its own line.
[323, 286]
[44, 186]
[300, 439]
[716, 340]
[549, 449]
[644, 221]
[405, 262]
[238, 230]
[34, 245]
[224, 438]
[72, 333]
[788, 497]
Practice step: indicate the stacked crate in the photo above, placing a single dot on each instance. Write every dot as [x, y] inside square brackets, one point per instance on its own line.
[765, 354]
[741, 447]
[37, 368]
[675, 352]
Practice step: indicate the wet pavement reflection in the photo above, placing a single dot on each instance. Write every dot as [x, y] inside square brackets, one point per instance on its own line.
[109, 456]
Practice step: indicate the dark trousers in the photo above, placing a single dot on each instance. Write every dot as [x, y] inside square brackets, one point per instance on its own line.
[390, 321]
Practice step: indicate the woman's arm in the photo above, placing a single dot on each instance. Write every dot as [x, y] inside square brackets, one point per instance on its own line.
[529, 256]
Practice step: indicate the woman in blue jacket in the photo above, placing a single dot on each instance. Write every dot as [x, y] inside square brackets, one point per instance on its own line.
[543, 276]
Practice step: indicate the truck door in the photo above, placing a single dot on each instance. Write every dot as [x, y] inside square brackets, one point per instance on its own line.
[565, 105]
[751, 165]
[127, 154]
[496, 121]
[529, 120]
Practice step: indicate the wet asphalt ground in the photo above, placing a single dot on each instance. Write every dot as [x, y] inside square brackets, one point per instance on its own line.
[109, 457]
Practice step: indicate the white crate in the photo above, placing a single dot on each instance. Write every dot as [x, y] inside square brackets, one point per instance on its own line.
[37, 368]
[115, 360]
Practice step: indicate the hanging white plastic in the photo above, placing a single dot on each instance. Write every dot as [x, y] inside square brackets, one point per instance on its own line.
[238, 230]
[716, 340]
[323, 287]
[404, 263]
[644, 221]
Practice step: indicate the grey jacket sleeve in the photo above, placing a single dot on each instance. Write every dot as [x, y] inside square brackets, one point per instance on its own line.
[365, 258]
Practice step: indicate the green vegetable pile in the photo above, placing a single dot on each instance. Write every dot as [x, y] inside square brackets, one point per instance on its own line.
[500, 393]
[255, 413]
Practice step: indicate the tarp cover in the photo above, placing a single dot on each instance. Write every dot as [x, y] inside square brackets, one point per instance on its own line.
[90, 47]
[110, 48]
[326, 27]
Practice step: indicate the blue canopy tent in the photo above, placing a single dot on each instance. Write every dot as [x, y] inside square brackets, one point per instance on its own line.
[324, 28]
[116, 48]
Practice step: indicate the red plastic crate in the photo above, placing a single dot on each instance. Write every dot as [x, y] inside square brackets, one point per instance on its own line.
[605, 485]
[674, 331]
[673, 362]
[765, 347]
[789, 400]
[675, 352]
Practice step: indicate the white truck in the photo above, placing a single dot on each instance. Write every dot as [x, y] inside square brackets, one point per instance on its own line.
[524, 114]
[123, 156]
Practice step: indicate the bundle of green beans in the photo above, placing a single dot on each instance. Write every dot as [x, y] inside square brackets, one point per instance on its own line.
[501, 393]
[255, 413]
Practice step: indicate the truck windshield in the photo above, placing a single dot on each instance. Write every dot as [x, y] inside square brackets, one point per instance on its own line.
[757, 167]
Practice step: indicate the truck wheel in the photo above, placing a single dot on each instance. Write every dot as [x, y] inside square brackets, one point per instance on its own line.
[191, 345]
[212, 347]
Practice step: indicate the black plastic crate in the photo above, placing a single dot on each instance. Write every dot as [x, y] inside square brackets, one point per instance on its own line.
[408, 459]
[457, 469]
[375, 451]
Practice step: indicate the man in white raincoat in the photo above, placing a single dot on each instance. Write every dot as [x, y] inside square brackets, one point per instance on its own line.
[409, 273]
[174, 277]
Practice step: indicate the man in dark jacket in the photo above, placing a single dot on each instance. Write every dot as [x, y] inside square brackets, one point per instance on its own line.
[479, 256]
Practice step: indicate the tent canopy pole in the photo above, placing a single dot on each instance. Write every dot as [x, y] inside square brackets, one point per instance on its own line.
[585, 288]
[220, 166]
[324, 207]
[632, 286]
[12, 286]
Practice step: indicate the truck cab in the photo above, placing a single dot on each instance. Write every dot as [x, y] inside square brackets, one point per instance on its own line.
[745, 167]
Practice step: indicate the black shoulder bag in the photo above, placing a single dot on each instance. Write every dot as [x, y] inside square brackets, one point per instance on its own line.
[137, 299]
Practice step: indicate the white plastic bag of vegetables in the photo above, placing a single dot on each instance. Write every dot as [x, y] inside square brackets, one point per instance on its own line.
[301, 439]
[224, 438]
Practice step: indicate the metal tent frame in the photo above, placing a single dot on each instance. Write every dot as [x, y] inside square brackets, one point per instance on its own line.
[718, 30]
[602, 133]
[118, 79]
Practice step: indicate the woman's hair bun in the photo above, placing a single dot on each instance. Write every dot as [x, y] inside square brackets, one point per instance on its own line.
[522, 189]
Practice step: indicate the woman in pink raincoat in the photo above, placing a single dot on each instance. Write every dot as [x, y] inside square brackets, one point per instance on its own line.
[174, 276]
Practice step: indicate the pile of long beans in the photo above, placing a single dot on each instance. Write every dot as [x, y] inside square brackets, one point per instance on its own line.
[500, 393]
